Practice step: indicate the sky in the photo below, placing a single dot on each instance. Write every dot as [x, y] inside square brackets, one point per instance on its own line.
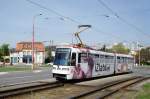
[60, 19]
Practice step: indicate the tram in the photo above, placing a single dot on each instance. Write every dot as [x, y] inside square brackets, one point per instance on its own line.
[74, 62]
[79, 61]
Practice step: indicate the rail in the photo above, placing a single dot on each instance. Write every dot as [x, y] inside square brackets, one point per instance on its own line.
[27, 87]
[107, 86]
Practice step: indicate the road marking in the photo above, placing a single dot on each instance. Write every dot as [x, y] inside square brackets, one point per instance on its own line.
[3, 73]
[14, 78]
[37, 71]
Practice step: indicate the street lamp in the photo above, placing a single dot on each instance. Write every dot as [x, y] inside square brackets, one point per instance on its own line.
[139, 48]
[34, 17]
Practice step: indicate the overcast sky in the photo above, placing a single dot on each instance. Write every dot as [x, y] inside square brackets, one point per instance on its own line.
[16, 19]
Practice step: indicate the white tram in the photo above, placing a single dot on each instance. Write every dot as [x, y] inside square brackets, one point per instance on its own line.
[73, 62]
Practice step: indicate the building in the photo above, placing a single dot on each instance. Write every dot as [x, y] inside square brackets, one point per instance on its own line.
[23, 53]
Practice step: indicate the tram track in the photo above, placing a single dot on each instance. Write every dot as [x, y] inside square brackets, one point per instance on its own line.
[21, 88]
[103, 91]
[59, 90]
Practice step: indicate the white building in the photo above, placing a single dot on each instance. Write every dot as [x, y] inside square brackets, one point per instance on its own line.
[23, 53]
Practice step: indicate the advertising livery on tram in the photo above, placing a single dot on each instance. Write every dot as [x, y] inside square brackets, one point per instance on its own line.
[73, 62]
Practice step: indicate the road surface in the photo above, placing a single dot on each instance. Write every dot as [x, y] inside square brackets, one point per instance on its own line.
[25, 76]
[45, 73]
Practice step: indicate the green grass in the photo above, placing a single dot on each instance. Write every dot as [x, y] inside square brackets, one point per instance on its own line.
[146, 86]
[14, 68]
[145, 93]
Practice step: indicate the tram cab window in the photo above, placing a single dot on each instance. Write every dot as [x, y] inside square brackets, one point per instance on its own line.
[73, 59]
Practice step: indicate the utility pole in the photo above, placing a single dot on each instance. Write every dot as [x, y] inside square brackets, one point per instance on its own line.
[33, 60]
[139, 48]
[139, 57]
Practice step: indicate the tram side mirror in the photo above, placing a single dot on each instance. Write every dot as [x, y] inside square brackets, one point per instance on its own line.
[73, 59]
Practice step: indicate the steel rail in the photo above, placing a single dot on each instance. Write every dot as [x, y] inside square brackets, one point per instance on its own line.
[14, 84]
[30, 88]
[107, 85]
[122, 87]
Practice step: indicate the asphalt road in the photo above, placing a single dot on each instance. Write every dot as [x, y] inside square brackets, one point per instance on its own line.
[45, 73]
[141, 71]
[21, 77]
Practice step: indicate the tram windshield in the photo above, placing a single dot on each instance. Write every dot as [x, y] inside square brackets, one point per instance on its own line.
[62, 56]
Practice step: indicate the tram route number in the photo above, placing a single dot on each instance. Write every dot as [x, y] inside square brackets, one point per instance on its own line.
[102, 67]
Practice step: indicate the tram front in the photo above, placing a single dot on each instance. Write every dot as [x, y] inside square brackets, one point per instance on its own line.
[63, 64]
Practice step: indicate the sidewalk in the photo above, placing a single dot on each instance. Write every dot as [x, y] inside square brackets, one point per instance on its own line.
[22, 69]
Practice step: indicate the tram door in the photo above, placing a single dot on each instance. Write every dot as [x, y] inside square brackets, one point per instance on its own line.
[83, 64]
[73, 59]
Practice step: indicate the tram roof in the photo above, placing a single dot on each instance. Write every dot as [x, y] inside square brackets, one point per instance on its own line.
[83, 49]
[124, 55]
[91, 50]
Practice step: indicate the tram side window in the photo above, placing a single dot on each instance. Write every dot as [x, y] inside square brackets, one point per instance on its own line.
[121, 59]
[102, 58]
[106, 59]
[79, 58]
[109, 59]
[118, 59]
[91, 55]
[128, 60]
[82, 57]
[73, 59]
[125, 59]
[96, 56]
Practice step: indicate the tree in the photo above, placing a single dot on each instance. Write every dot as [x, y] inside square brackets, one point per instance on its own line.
[49, 57]
[144, 55]
[1, 56]
[103, 48]
[120, 48]
[4, 51]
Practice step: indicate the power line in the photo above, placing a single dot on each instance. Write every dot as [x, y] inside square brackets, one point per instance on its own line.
[68, 18]
[122, 19]
[48, 9]
[116, 36]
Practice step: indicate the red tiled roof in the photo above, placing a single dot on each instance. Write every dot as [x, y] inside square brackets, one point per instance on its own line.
[39, 46]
